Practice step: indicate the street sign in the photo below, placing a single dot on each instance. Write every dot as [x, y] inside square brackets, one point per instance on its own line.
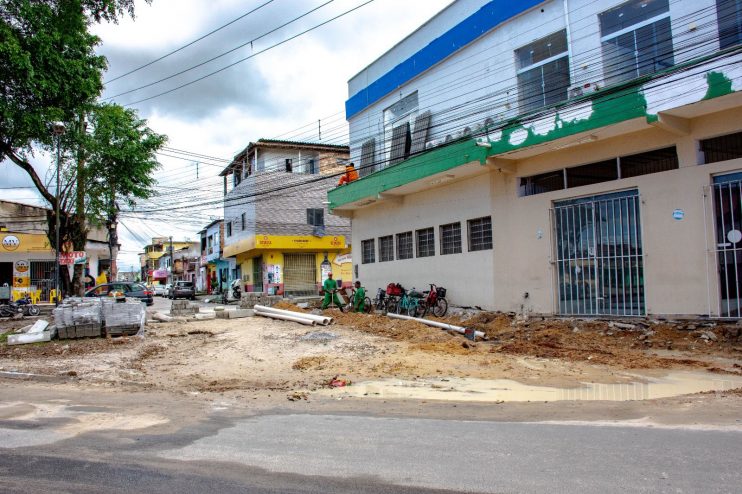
[74, 257]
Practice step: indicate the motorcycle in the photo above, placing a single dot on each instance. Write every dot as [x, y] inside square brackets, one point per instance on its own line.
[233, 293]
[22, 306]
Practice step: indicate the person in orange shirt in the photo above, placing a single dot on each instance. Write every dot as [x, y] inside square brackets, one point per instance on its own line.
[350, 174]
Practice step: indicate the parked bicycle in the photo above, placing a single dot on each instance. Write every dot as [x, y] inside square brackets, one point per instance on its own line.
[368, 306]
[435, 301]
[411, 303]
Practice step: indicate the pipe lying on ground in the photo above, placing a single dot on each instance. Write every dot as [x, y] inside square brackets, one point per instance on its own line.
[324, 320]
[283, 317]
[436, 324]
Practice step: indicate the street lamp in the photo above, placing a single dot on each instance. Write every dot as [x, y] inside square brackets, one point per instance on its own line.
[58, 129]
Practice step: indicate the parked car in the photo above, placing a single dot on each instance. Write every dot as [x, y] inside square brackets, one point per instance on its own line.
[161, 290]
[134, 290]
[182, 289]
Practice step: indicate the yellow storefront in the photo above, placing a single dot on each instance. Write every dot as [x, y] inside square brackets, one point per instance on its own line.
[291, 264]
[26, 265]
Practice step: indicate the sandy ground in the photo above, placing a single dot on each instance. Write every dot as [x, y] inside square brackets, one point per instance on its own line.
[259, 357]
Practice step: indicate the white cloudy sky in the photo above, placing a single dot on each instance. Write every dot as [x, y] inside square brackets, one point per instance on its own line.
[279, 93]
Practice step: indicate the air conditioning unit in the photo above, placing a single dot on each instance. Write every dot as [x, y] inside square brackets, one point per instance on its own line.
[582, 89]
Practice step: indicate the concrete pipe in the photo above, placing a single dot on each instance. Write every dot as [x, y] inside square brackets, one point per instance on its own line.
[324, 320]
[285, 317]
[435, 324]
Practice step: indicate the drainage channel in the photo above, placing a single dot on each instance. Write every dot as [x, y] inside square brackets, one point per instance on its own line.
[505, 390]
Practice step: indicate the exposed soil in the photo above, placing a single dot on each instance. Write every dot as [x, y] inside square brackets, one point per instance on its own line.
[263, 356]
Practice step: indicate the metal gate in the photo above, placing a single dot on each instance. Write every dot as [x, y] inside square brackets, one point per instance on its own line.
[42, 278]
[599, 256]
[300, 274]
[727, 193]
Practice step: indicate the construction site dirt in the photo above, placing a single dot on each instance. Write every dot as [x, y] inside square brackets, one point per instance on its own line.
[264, 359]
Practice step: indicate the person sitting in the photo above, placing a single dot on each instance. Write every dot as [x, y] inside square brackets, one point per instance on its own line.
[349, 176]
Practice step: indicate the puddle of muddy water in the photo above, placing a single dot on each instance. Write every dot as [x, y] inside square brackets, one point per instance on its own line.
[480, 390]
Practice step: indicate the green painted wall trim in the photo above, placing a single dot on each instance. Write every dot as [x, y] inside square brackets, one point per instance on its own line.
[718, 85]
[416, 168]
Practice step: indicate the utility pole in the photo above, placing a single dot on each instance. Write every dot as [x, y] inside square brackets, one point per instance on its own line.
[79, 270]
[172, 262]
[58, 129]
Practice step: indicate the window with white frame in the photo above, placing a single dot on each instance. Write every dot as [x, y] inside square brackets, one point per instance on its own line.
[637, 39]
[386, 248]
[368, 248]
[543, 72]
[404, 245]
[480, 233]
[729, 15]
[451, 238]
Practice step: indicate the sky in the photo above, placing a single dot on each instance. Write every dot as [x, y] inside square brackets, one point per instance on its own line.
[281, 93]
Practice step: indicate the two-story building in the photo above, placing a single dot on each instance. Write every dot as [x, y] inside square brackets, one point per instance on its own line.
[574, 157]
[155, 272]
[275, 222]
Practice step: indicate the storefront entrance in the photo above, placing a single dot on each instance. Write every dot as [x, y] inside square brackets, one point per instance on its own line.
[599, 256]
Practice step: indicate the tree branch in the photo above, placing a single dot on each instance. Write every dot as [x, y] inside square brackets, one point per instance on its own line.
[25, 165]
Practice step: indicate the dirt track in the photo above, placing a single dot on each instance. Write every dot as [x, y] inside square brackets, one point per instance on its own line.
[260, 356]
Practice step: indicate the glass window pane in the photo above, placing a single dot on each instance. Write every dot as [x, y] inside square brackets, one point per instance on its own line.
[630, 13]
[425, 242]
[546, 47]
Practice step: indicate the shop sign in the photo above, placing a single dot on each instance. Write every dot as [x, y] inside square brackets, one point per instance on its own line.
[21, 267]
[265, 241]
[344, 259]
[11, 242]
[74, 257]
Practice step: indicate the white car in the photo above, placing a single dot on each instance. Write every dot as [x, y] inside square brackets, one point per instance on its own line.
[161, 290]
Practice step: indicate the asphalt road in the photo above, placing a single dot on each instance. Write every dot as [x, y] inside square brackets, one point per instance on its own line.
[225, 451]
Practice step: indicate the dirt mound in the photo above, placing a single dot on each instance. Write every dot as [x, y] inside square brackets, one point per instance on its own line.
[306, 363]
[67, 348]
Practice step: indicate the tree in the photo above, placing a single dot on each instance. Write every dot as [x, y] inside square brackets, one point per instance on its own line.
[50, 72]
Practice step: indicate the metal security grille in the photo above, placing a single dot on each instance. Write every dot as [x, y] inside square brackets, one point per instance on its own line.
[299, 274]
[599, 255]
[425, 242]
[451, 238]
[386, 248]
[367, 248]
[727, 192]
[42, 277]
[404, 245]
[480, 233]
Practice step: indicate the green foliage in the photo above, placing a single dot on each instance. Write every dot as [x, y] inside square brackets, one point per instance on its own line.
[49, 70]
[120, 158]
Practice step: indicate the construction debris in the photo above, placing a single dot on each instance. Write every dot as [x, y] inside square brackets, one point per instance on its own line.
[39, 332]
[78, 318]
[123, 318]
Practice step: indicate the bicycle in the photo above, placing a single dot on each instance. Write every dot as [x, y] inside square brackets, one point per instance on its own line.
[435, 301]
[367, 306]
[411, 302]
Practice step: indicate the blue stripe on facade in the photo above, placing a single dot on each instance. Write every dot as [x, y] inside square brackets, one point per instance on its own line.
[490, 15]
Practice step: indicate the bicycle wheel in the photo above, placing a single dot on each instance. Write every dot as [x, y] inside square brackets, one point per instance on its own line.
[391, 306]
[415, 309]
[367, 307]
[441, 307]
[33, 310]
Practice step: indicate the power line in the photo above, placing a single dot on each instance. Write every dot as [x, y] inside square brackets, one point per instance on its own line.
[190, 44]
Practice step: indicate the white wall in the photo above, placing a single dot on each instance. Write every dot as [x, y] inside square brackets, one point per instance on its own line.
[467, 276]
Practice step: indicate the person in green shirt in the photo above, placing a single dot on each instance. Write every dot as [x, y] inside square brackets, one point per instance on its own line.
[359, 298]
[330, 287]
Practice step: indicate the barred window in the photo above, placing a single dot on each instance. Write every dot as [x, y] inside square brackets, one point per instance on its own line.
[480, 233]
[451, 238]
[425, 242]
[404, 245]
[368, 251]
[722, 148]
[386, 248]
